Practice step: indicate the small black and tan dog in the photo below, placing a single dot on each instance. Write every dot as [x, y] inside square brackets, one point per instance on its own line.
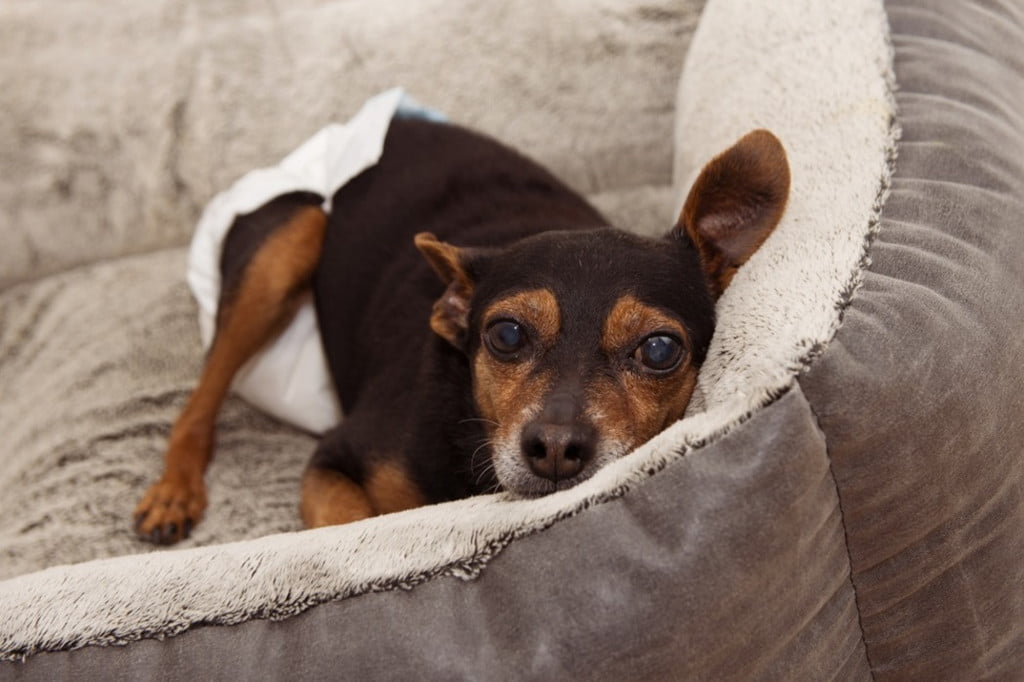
[543, 346]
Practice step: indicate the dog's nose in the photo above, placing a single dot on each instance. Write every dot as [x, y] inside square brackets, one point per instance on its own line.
[558, 451]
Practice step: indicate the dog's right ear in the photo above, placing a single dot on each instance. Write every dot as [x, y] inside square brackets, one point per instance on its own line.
[735, 204]
[450, 319]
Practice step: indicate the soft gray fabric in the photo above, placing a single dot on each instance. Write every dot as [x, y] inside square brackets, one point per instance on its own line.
[95, 363]
[118, 122]
[774, 65]
[729, 564]
[920, 394]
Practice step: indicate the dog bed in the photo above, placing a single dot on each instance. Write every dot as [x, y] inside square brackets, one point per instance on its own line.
[845, 500]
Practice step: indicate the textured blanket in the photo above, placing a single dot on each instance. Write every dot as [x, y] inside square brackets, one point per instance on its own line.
[117, 126]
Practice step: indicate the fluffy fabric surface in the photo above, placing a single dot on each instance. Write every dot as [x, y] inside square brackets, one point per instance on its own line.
[119, 125]
[95, 364]
[823, 83]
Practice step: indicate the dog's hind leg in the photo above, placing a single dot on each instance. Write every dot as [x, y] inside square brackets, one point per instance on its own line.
[267, 274]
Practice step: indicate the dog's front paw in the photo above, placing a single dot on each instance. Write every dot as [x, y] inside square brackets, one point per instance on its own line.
[169, 510]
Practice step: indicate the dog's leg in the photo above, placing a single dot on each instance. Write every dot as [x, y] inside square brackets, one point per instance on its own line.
[330, 498]
[344, 483]
[269, 291]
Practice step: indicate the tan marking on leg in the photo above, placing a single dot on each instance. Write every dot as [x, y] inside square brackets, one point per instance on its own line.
[390, 490]
[330, 498]
[267, 299]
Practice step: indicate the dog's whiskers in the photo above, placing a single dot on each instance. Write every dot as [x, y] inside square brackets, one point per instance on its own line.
[486, 442]
[480, 419]
[488, 466]
[487, 470]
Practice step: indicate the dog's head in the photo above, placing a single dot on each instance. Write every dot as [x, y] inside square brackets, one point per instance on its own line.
[585, 344]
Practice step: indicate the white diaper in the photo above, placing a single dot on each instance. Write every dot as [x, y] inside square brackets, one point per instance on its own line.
[289, 378]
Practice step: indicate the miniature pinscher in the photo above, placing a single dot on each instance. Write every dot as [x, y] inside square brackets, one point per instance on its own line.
[484, 328]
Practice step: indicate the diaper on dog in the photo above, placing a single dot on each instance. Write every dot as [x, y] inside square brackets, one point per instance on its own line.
[289, 378]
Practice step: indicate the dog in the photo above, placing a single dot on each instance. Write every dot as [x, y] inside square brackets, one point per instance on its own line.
[484, 327]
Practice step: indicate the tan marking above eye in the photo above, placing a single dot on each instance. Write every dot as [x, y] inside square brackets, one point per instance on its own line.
[537, 308]
[630, 321]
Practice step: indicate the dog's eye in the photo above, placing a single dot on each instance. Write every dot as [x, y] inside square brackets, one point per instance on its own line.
[659, 352]
[505, 337]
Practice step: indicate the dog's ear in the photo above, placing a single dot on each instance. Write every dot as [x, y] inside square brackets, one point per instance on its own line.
[450, 319]
[734, 205]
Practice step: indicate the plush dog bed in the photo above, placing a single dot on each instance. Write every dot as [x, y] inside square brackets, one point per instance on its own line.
[845, 500]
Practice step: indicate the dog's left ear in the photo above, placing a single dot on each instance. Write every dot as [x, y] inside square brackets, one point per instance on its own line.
[450, 319]
[735, 204]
